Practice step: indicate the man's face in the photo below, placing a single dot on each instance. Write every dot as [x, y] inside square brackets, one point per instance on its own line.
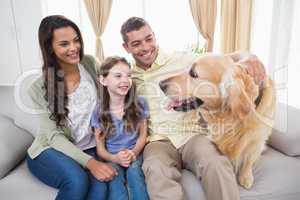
[142, 45]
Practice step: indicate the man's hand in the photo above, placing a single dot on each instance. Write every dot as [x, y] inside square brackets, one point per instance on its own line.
[252, 64]
[100, 170]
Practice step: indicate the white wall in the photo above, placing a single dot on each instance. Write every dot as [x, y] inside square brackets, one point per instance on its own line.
[19, 50]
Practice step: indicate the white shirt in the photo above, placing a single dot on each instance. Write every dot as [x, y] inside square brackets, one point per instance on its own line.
[81, 105]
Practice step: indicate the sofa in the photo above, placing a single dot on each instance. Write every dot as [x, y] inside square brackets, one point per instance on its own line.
[277, 173]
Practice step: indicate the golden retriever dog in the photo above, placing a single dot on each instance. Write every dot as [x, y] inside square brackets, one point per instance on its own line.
[238, 113]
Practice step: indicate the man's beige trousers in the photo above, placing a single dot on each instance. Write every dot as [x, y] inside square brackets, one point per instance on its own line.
[163, 164]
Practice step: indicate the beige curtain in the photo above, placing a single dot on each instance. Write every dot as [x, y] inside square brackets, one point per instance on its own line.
[235, 25]
[98, 11]
[204, 14]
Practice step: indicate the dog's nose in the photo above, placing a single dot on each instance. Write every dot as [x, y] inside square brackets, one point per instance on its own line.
[163, 85]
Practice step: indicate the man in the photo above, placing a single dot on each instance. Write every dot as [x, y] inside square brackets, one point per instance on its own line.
[175, 140]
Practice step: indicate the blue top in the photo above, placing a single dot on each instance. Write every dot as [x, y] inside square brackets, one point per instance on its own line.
[120, 139]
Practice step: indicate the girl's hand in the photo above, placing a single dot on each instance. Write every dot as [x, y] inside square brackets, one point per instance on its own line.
[131, 154]
[122, 158]
[98, 134]
[100, 170]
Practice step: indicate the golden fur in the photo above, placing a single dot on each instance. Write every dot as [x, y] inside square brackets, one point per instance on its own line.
[239, 127]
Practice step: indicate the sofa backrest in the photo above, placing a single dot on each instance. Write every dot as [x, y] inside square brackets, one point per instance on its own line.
[7, 102]
[24, 116]
[286, 132]
[16, 104]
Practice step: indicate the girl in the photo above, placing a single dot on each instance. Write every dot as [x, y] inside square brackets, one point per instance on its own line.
[63, 155]
[119, 124]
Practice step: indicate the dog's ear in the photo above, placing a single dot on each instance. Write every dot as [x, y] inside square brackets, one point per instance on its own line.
[242, 93]
[239, 102]
[251, 88]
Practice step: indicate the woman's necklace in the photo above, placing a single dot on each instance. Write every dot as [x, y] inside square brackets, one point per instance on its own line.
[72, 81]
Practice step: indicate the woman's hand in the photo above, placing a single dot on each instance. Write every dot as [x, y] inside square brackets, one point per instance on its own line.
[100, 170]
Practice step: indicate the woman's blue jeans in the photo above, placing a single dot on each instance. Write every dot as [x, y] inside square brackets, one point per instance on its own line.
[129, 183]
[68, 176]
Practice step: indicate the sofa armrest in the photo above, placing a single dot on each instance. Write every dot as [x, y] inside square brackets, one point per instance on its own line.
[287, 143]
[286, 134]
[14, 143]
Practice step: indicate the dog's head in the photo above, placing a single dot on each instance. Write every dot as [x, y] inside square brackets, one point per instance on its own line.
[216, 83]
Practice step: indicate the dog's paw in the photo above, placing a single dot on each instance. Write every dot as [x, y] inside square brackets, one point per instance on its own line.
[246, 180]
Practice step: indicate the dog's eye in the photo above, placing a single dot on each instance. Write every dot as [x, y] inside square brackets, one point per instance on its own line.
[193, 74]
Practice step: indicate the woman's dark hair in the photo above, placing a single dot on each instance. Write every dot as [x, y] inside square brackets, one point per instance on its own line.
[53, 77]
[132, 108]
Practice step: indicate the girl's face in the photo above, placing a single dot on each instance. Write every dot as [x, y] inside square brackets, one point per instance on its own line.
[66, 46]
[118, 81]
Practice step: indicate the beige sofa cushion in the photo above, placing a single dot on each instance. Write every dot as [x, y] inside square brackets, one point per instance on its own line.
[13, 145]
[21, 184]
[276, 177]
[29, 187]
[287, 143]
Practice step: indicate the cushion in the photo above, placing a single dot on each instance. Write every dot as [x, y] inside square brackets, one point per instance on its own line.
[287, 143]
[192, 186]
[24, 114]
[21, 184]
[276, 177]
[30, 187]
[13, 145]
[286, 134]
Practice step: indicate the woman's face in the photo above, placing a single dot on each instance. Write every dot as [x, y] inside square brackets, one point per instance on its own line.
[66, 46]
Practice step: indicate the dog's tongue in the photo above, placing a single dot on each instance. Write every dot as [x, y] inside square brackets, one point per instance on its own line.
[173, 104]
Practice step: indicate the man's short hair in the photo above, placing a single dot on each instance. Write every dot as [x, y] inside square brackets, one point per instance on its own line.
[132, 24]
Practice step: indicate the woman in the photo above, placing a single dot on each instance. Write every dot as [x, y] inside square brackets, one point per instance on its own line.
[63, 155]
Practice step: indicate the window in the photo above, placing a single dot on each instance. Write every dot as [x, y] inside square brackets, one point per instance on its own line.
[74, 10]
[293, 59]
[275, 39]
[171, 21]
[261, 29]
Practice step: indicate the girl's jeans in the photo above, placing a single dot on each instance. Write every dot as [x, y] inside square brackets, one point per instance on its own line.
[129, 183]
